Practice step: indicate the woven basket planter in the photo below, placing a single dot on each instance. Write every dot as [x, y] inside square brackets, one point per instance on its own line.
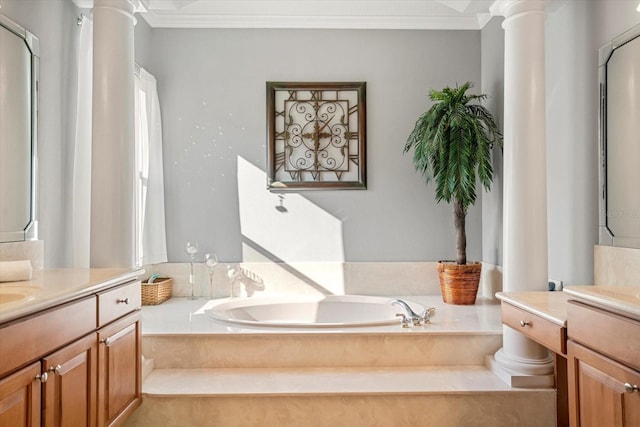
[157, 292]
[459, 283]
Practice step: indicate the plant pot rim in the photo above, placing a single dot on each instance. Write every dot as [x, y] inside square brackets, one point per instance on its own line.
[448, 261]
[469, 267]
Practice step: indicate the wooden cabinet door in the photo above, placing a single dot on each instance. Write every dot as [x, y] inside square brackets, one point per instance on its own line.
[120, 370]
[20, 398]
[70, 392]
[597, 393]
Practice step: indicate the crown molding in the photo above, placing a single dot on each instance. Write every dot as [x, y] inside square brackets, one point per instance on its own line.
[156, 20]
[312, 14]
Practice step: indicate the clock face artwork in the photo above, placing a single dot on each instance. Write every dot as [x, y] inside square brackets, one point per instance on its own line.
[316, 135]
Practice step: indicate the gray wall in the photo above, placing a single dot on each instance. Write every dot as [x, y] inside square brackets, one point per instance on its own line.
[572, 144]
[396, 219]
[613, 17]
[574, 31]
[212, 94]
[492, 48]
[54, 23]
[142, 40]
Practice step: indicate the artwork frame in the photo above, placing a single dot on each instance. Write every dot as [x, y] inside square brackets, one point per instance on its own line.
[316, 136]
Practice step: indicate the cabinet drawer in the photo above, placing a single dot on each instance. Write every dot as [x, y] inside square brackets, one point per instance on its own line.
[31, 338]
[544, 332]
[118, 302]
[613, 335]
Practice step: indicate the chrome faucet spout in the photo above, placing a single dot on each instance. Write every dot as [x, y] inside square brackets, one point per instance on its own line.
[413, 317]
[410, 312]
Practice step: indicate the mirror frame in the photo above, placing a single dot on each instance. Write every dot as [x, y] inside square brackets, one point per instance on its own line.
[30, 231]
[605, 236]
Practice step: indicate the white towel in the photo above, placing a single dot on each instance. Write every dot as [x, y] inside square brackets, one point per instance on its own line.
[15, 271]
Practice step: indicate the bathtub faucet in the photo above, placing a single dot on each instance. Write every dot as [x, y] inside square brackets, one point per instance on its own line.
[412, 317]
[240, 276]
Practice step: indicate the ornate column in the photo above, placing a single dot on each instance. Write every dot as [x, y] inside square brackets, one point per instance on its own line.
[522, 362]
[113, 146]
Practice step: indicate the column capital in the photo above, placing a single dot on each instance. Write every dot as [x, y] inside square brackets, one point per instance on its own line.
[125, 7]
[508, 8]
[128, 5]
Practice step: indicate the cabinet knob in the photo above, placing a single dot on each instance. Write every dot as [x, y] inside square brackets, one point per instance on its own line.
[630, 388]
[42, 377]
[524, 323]
[123, 300]
[56, 369]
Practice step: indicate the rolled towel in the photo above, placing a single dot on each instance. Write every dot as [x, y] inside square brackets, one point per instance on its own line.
[15, 271]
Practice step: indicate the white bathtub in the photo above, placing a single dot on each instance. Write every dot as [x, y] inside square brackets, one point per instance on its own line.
[335, 311]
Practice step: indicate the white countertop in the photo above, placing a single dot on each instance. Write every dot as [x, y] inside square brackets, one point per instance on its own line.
[551, 306]
[624, 300]
[51, 287]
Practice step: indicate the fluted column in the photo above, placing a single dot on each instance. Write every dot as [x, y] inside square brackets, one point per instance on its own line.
[522, 362]
[113, 147]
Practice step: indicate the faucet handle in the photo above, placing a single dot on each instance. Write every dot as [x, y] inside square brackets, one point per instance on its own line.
[405, 322]
[426, 316]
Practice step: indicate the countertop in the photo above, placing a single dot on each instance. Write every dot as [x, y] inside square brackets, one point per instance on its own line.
[51, 287]
[551, 306]
[624, 300]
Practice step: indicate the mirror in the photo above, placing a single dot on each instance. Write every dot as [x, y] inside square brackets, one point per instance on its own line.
[619, 72]
[18, 132]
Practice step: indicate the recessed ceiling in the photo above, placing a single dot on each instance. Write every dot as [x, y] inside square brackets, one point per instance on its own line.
[332, 14]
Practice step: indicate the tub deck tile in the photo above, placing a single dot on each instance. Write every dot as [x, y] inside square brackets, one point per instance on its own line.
[322, 381]
[181, 316]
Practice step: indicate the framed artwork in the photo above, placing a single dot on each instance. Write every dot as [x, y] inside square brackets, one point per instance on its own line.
[316, 136]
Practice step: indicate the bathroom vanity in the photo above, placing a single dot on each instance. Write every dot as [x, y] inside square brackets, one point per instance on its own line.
[604, 355]
[594, 333]
[542, 317]
[70, 349]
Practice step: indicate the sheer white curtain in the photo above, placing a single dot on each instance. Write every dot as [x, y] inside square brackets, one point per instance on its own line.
[81, 181]
[151, 234]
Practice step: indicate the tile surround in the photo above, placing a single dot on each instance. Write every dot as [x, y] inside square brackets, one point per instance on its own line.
[322, 381]
[178, 334]
[269, 351]
[182, 316]
[445, 410]
[366, 278]
[32, 250]
[616, 266]
[216, 374]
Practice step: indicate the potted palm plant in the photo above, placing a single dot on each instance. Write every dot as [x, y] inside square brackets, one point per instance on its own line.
[452, 145]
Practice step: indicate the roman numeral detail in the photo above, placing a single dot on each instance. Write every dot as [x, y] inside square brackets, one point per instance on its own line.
[295, 175]
[279, 160]
[293, 95]
[316, 95]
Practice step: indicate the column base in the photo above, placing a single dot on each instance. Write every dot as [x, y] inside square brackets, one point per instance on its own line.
[518, 379]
